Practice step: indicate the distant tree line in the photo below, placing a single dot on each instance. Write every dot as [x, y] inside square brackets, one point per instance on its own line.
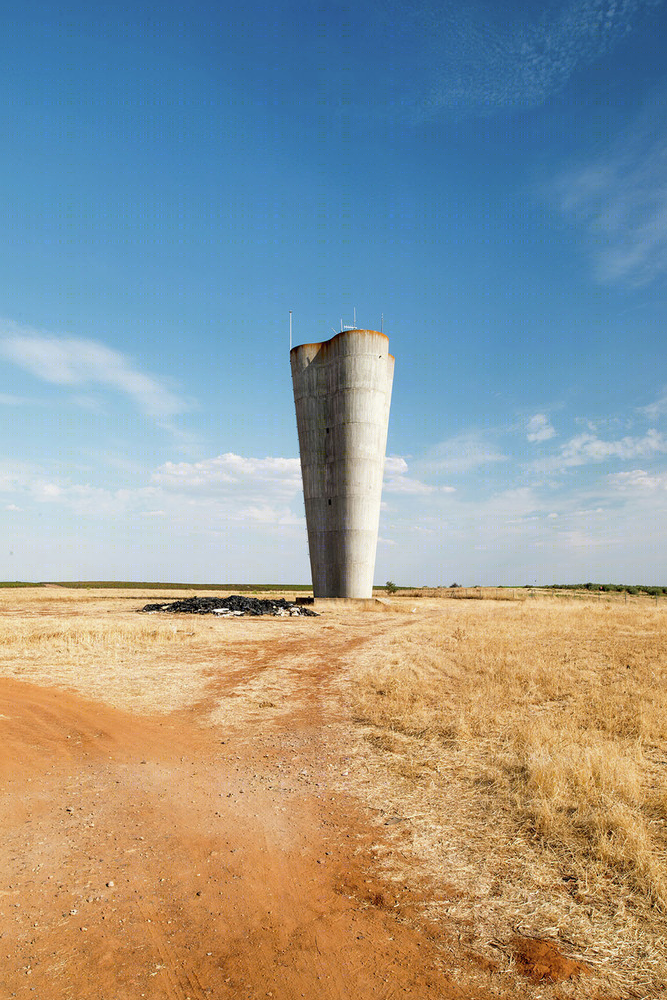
[612, 588]
[606, 588]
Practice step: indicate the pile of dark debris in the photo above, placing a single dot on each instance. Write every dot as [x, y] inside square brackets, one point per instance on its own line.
[233, 606]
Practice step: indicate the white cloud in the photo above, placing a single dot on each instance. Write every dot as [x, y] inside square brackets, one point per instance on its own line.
[280, 477]
[585, 448]
[12, 506]
[404, 484]
[588, 447]
[202, 494]
[461, 454]
[621, 202]
[396, 480]
[639, 481]
[269, 514]
[539, 428]
[230, 488]
[76, 362]
[395, 465]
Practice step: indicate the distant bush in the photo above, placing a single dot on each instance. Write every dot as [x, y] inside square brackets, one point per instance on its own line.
[390, 587]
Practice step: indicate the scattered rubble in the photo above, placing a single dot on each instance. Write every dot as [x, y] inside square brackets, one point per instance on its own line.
[233, 606]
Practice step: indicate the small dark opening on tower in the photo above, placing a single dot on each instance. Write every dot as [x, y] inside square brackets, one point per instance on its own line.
[327, 430]
[329, 501]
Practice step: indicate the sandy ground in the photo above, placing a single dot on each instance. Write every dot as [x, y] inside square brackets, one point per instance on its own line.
[204, 851]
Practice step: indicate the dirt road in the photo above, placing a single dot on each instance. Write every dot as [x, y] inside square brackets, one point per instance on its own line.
[204, 852]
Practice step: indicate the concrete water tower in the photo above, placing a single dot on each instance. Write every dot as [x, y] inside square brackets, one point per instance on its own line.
[342, 392]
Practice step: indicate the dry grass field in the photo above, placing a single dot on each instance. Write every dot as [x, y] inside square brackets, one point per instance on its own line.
[530, 742]
[499, 768]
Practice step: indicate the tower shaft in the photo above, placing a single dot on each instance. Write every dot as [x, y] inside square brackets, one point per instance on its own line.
[342, 393]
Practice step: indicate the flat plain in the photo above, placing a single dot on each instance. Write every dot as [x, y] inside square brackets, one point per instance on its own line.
[452, 799]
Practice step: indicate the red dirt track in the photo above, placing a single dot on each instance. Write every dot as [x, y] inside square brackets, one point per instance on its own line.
[158, 857]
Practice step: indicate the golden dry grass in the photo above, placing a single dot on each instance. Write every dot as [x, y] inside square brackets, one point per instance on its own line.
[527, 744]
[91, 642]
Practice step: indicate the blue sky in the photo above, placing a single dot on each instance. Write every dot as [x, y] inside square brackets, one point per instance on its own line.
[490, 178]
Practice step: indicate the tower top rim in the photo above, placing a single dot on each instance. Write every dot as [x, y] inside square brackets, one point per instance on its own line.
[343, 333]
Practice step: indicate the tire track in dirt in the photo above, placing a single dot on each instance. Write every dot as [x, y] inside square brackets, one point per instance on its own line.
[182, 983]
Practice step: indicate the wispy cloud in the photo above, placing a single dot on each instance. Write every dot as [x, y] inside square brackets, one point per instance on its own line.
[621, 203]
[461, 454]
[655, 409]
[75, 362]
[520, 59]
[6, 399]
[539, 428]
